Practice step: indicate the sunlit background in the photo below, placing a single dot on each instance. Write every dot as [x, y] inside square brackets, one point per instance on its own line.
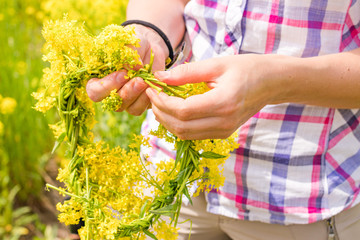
[27, 211]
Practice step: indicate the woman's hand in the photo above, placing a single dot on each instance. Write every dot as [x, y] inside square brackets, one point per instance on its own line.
[239, 89]
[132, 92]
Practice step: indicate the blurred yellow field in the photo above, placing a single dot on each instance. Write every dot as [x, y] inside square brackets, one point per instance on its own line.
[26, 141]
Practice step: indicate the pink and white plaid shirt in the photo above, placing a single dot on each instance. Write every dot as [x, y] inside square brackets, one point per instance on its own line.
[297, 163]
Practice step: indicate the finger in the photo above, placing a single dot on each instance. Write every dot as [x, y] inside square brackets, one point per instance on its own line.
[205, 128]
[195, 72]
[98, 89]
[198, 106]
[131, 91]
[139, 105]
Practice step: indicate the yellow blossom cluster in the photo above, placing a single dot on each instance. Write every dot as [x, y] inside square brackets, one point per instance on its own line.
[114, 178]
[106, 188]
[165, 231]
[195, 88]
[57, 129]
[70, 211]
[7, 105]
[213, 163]
[211, 154]
[112, 102]
[164, 172]
[75, 56]
[113, 175]
[44, 103]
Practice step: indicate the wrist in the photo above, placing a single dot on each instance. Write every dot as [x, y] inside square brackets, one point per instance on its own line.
[283, 78]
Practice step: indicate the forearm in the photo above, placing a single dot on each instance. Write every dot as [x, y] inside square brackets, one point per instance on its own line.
[330, 80]
[165, 14]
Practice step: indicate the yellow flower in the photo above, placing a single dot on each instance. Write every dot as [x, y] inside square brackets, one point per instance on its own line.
[164, 171]
[70, 212]
[44, 103]
[112, 102]
[57, 128]
[7, 105]
[165, 231]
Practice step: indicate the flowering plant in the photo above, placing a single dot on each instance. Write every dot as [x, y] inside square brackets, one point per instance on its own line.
[107, 185]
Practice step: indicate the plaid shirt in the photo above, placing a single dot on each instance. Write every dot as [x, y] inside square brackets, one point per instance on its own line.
[296, 163]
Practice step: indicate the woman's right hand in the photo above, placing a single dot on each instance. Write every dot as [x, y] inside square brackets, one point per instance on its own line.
[132, 92]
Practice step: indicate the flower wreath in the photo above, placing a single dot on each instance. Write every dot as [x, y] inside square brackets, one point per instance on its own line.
[106, 185]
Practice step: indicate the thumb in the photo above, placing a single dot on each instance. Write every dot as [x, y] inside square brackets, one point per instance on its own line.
[195, 72]
[98, 89]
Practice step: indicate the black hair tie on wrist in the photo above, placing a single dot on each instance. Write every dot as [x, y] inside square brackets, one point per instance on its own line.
[161, 34]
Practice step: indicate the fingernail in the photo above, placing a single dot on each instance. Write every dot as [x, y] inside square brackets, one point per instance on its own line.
[162, 74]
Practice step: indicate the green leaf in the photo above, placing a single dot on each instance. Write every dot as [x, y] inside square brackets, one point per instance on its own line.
[181, 175]
[21, 212]
[182, 146]
[187, 195]
[211, 155]
[195, 159]
[150, 234]
[13, 193]
[24, 220]
[143, 208]
[168, 210]
[58, 142]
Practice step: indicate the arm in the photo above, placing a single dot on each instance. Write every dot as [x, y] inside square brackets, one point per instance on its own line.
[166, 15]
[241, 85]
[330, 80]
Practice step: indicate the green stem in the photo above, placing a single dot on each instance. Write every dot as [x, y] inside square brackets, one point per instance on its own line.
[62, 191]
[152, 85]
